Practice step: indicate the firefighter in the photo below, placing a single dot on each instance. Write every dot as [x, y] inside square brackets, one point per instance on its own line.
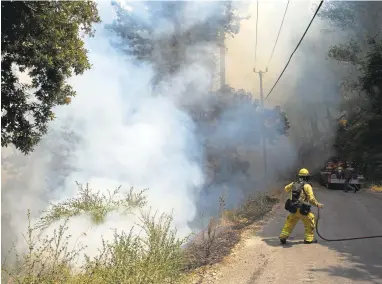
[340, 172]
[298, 205]
[348, 176]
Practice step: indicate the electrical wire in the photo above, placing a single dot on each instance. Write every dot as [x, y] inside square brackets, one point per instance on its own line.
[282, 22]
[343, 239]
[257, 21]
[311, 21]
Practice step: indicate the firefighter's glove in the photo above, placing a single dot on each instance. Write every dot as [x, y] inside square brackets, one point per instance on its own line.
[320, 205]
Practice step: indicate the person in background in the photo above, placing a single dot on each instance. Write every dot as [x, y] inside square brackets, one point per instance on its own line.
[348, 176]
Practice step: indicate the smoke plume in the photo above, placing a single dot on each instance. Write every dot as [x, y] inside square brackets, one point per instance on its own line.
[121, 131]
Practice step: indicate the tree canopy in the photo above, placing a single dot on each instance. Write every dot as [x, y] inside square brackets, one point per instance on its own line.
[360, 138]
[161, 32]
[360, 126]
[45, 40]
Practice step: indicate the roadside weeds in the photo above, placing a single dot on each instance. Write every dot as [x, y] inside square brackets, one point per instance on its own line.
[376, 188]
[222, 236]
[153, 257]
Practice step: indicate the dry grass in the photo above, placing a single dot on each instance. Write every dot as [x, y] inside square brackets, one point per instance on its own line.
[212, 245]
[46, 261]
[253, 209]
[376, 188]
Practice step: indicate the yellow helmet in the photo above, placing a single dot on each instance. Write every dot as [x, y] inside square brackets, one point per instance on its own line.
[303, 173]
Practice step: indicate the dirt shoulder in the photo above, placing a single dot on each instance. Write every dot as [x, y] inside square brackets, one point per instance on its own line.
[247, 257]
[259, 258]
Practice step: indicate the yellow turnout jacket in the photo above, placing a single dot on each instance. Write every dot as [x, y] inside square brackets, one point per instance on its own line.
[307, 194]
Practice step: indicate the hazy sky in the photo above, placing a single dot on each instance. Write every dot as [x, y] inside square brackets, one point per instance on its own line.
[240, 56]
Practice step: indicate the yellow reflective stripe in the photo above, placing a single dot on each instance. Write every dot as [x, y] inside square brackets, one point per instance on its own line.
[285, 233]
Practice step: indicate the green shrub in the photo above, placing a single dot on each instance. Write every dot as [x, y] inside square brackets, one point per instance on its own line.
[153, 256]
[47, 260]
[95, 204]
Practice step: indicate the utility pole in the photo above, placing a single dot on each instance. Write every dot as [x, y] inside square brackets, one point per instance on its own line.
[262, 121]
[222, 58]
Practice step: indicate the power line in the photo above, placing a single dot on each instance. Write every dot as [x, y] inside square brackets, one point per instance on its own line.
[257, 20]
[282, 22]
[318, 8]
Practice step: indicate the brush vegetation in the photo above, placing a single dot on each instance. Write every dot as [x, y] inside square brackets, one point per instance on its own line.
[376, 188]
[95, 204]
[155, 255]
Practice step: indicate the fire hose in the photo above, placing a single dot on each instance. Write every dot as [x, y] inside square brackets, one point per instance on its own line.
[343, 239]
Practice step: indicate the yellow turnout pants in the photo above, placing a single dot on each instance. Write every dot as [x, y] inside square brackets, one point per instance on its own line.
[292, 220]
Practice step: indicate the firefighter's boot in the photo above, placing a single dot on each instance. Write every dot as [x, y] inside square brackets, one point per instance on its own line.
[310, 242]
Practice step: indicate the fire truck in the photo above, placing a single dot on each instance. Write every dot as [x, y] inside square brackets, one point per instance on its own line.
[333, 174]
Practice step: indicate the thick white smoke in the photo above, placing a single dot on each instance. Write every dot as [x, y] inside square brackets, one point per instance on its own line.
[308, 90]
[126, 136]
[118, 131]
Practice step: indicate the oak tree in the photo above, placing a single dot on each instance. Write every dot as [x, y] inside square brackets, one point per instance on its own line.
[43, 39]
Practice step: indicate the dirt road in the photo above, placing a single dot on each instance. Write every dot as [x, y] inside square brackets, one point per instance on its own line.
[261, 259]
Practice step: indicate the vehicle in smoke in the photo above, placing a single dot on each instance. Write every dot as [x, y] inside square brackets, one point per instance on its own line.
[333, 173]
